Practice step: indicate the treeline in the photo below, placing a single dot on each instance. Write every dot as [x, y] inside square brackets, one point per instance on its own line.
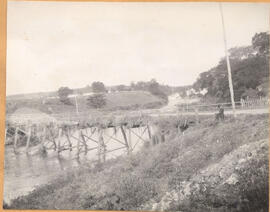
[250, 72]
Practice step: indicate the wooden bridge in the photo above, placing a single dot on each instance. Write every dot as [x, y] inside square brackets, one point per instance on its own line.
[81, 138]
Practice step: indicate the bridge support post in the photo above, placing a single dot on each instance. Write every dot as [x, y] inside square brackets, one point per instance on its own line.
[28, 139]
[44, 135]
[67, 132]
[51, 131]
[149, 132]
[125, 138]
[100, 144]
[59, 140]
[130, 139]
[78, 149]
[84, 142]
[15, 140]
[104, 153]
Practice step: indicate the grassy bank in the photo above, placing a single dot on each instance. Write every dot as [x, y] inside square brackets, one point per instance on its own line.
[143, 180]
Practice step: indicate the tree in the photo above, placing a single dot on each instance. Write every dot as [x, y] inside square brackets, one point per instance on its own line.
[248, 71]
[96, 101]
[154, 89]
[260, 42]
[63, 93]
[242, 52]
[98, 87]
[123, 88]
[250, 93]
[263, 88]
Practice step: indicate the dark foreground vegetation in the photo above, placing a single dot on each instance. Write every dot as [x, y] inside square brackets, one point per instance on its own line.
[213, 167]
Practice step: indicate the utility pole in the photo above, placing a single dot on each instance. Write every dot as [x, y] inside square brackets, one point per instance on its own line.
[228, 61]
[77, 110]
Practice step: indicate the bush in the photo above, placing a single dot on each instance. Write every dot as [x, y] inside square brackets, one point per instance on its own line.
[96, 101]
[98, 87]
[253, 185]
[63, 93]
[134, 190]
[249, 194]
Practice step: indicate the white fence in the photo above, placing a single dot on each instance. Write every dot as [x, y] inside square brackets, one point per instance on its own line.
[243, 104]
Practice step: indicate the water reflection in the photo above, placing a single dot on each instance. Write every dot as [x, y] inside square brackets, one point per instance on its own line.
[30, 164]
[17, 164]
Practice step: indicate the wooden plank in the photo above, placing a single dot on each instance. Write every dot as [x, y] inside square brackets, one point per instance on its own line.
[90, 138]
[149, 131]
[22, 131]
[115, 139]
[125, 138]
[140, 137]
[53, 139]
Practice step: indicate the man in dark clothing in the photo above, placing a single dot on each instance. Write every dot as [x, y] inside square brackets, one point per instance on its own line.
[220, 114]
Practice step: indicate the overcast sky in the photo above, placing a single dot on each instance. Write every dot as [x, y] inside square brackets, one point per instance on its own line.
[53, 44]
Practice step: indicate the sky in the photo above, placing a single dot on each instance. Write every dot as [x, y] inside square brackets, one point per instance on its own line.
[54, 44]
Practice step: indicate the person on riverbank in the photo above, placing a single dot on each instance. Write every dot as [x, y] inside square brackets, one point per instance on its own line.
[220, 114]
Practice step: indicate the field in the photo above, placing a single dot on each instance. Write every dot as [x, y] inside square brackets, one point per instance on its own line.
[214, 166]
[132, 99]
[114, 101]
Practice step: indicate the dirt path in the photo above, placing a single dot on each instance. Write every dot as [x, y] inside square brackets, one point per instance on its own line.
[228, 112]
[172, 109]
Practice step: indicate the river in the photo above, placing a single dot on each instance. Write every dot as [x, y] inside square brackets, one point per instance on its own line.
[24, 172]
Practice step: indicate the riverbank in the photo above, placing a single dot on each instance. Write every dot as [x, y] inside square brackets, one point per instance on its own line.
[144, 180]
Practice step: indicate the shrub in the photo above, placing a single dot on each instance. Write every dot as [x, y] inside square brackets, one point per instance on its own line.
[96, 101]
[249, 193]
[253, 185]
[63, 93]
[134, 190]
[98, 87]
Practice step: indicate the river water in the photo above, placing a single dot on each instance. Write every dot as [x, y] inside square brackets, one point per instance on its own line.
[24, 172]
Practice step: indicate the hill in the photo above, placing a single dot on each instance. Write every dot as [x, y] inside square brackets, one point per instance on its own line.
[213, 167]
[119, 100]
[132, 99]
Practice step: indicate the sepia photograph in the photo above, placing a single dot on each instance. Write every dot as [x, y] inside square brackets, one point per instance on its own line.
[137, 106]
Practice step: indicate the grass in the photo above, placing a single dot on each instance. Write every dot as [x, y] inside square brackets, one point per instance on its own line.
[131, 98]
[138, 181]
[122, 100]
